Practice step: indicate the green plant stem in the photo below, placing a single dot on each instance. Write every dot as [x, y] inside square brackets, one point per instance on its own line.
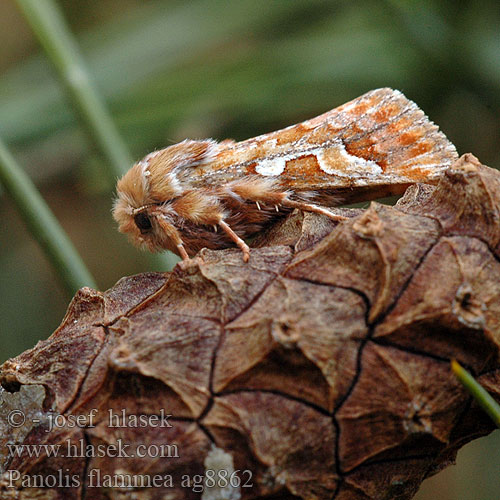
[480, 394]
[47, 22]
[43, 225]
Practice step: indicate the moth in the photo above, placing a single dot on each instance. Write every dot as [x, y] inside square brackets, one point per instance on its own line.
[203, 193]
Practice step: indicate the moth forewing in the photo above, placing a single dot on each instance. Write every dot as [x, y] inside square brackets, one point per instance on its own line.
[380, 138]
[208, 194]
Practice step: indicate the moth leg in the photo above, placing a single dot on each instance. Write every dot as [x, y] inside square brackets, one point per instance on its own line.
[182, 252]
[174, 235]
[241, 244]
[311, 207]
[258, 190]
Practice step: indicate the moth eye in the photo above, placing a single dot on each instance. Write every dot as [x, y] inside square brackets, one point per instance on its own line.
[143, 222]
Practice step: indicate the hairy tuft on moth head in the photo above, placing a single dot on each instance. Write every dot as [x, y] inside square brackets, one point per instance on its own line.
[152, 201]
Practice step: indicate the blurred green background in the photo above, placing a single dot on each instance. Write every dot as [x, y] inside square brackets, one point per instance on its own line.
[171, 69]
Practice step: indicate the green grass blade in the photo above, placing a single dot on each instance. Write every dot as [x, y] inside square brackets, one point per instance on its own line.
[61, 47]
[50, 27]
[43, 225]
[480, 394]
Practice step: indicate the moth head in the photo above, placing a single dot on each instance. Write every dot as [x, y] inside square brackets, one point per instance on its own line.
[146, 194]
[147, 227]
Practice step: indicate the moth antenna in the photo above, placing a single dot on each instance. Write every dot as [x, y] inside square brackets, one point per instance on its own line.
[239, 242]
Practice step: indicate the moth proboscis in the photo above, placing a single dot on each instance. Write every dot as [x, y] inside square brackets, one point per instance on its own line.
[201, 193]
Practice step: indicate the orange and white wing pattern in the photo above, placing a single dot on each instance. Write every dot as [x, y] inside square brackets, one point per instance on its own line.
[380, 142]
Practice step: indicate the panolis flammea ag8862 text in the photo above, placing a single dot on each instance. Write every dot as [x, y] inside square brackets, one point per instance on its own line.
[201, 193]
